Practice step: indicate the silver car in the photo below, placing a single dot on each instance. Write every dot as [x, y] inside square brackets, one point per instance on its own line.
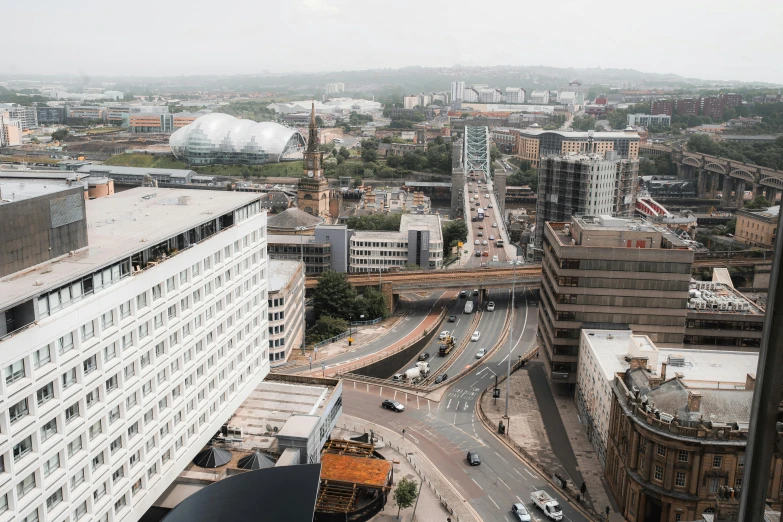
[520, 511]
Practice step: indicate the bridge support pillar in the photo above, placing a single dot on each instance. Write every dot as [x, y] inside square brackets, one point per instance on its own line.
[714, 180]
[771, 194]
[758, 190]
[725, 193]
[701, 185]
[740, 193]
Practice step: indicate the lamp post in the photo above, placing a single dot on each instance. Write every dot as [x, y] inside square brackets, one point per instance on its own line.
[510, 342]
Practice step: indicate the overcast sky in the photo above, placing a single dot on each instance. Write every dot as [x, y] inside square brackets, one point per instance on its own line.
[711, 39]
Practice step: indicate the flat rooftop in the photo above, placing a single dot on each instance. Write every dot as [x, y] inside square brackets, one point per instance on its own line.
[271, 404]
[120, 225]
[636, 228]
[711, 369]
[285, 239]
[13, 190]
[280, 273]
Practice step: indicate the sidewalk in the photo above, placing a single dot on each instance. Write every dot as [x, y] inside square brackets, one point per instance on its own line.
[428, 508]
[589, 464]
[449, 500]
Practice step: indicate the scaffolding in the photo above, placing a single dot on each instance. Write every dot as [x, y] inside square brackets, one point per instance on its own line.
[476, 150]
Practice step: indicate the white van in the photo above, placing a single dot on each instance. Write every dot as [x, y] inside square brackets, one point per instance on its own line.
[338, 141]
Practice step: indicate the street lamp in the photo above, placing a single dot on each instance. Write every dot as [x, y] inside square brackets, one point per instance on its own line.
[510, 341]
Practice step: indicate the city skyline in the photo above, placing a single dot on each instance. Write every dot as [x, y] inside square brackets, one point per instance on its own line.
[349, 38]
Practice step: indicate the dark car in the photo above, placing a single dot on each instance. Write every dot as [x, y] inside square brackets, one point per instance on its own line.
[473, 458]
[452, 318]
[424, 356]
[392, 405]
[440, 378]
[463, 293]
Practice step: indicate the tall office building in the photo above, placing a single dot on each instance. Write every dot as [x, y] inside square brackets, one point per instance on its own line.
[611, 273]
[583, 184]
[335, 88]
[122, 356]
[457, 91]
[27, 116]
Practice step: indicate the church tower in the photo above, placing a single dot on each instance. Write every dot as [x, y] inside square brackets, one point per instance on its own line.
[313, 192]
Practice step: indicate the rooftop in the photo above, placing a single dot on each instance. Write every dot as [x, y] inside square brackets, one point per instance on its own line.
[132, 171]
[364, 471]
[293, 239]
[612, 135]
[719, 297]
[281, 272]
[292, 218]
[12, 191]
[608, 231]
[120, 225]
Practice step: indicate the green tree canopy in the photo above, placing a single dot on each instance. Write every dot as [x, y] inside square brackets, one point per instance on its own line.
[334, 295]
[60, 134]
[389, 222]
[325, 328]
[758, 203]
[371, 303]
[453, 232]
[405, 494]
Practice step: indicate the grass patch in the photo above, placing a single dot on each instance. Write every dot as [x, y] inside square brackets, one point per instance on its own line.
[290, 169]
[103, 130]
[29, 159]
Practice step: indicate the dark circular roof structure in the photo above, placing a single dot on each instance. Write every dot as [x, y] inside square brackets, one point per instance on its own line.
[213, 457]
[291, 218]
[256, 460]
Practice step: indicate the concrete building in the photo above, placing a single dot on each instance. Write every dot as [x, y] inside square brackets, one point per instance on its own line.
[515, 95]
[457, 91]
[27, 116]
[535, 142]
[470, 94]
[688, 107]
[335, 88]
[758, 228]
[86, 113]
[662, 107]
[731, 100]
[646, 120]
[539, 97]
[584, 184]
[10, 130]
[286, 309]
[490, 96]
[608, 271]
[154, 119]
[419, 242]
[745, 122]
[138, 175]
[410, 101]
[123, 358]
[678, 428]
[297, 235]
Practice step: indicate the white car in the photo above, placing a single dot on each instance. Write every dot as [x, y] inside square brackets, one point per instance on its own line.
[486, 196]
[495, 259]
[521, 512]
[494, 225]
[491, 305]
[475, 336]
[484, 242]
[477, 242]
[481, 353]
[491, 237]
[443, 335]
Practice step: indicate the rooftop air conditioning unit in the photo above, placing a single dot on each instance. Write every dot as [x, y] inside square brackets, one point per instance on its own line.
[676, 360]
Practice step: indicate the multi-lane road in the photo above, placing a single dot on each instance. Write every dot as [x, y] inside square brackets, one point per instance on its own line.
[486, 231]
[445, 430]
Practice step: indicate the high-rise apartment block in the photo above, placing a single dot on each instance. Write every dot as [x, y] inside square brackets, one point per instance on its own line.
[27, 116]
[584, 184]
[712, 107]
[123, 353]
[535, 143]
[662, 107]
[515, 95]
[731, 100]
[604, 272]
[688, 107]
[10, 130]
[335, 88]
[457, 91]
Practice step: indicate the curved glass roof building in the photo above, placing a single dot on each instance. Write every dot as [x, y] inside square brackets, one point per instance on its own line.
[223, 139]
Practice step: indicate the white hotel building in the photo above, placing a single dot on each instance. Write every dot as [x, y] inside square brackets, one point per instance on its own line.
[142, 346]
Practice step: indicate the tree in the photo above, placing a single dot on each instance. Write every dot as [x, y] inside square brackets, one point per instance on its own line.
[584, 123]
[371, 304]
[334, 295]
[345, 153]
[325, 328]
[453, 232]
[319, 122]
[340, 160]
[389, 222]
[369, 154]
[405, 494]
[60, 134]
[758, 203]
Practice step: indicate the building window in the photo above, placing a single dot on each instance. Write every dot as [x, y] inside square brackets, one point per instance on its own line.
[48, 429]
[95, 430]
[65, 343]
[119, 504]
[115, 445]
[23, 448]
[658, 473]
[90, 364]
[717, 461]
[682, 456]
[71, 412]
[661, 450]
[92, 397]
[714, 484]
[88, 331]
[111, 384]
[77, 479]
[54, 499]
[679, 479]
[74, 447]
[14, 372]
[69, 378]
[41, 357]
[125, 309]
[45, 394]
[18, 410]
[117, 475]
[24, 487]
[51, 465]
[741, 461]
[107, 319]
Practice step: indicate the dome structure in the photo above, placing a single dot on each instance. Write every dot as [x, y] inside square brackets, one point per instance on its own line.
[212, 457]
[223, 139]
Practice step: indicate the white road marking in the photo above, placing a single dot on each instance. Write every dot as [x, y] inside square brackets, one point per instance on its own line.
[501, 458]
[504, 482]
[455, 419]
[496, 504]
[458, 405]
[473, 384]
[429, 406]
[466, 405]
[504, 359]
[417, 401]
[528, 472]
[447, 406]
[520, 474]
[479, 485]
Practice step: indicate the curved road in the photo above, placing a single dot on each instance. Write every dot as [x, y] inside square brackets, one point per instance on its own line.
[446, 430]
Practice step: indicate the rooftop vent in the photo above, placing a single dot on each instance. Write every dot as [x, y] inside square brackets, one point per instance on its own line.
[676, 360]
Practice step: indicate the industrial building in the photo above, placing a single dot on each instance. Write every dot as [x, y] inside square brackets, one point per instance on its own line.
[127, 346]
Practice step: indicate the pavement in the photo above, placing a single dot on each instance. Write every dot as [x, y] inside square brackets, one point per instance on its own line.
[546, 425]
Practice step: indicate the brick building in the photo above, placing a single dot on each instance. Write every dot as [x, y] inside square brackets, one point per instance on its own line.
[712, 107]
[662, 107]
[687, 107]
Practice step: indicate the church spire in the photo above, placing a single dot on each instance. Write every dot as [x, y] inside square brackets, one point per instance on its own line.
[312, 138]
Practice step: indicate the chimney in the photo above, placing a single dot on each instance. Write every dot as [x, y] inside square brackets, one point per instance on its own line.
[694, 401]
[638, 362]
[663, 371]
[750, 381]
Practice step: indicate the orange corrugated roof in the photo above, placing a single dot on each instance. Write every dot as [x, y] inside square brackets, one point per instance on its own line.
[342, 468]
